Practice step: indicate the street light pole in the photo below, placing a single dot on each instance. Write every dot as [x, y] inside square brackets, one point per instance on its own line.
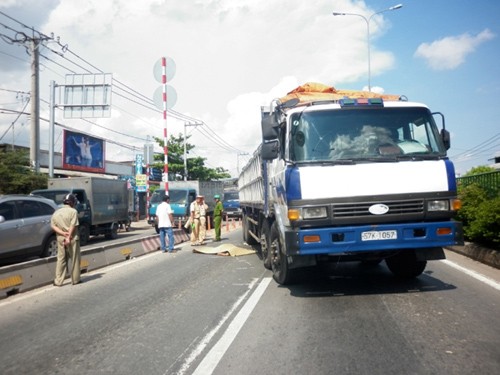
[367, 20]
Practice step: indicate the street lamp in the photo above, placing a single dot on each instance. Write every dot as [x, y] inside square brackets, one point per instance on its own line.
[367, 20]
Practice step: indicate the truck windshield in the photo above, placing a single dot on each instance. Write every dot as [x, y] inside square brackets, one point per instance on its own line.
[176, 196]
[356, 134]
[231, 196]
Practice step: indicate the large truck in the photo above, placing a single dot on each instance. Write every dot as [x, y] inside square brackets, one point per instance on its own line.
[231, 203]
[349, 176]
[103, 203]
[182, 194]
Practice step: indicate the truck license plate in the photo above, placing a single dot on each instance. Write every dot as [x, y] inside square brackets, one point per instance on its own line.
[379, 235]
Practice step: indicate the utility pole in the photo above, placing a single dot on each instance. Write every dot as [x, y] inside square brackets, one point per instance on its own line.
[35, 105]
[185, 151]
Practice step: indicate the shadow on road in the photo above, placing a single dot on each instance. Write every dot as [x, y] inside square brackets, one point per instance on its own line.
[354, 278]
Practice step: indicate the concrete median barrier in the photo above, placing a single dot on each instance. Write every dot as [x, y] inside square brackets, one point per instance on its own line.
[18, 278]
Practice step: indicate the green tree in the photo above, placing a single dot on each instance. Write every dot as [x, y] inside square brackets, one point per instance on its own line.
[478, 170]
[195, 166]
[17, 176]
[480, 212]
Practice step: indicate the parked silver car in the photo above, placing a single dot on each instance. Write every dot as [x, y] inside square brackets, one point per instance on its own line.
[25, 226]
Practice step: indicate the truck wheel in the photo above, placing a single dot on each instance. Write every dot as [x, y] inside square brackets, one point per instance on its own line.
[84, 234]
[247, 237]
[112, 234]
[264, 245]
[405, 265]
[50, 248]
[244, 228]
[282, 274]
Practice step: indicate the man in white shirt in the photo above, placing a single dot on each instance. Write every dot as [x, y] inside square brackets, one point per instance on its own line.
[165, 220]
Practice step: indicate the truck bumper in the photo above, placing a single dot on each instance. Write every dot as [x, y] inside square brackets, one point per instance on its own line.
[367, 238]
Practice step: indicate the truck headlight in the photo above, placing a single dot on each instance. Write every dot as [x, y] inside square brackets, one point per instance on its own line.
[438, 205]
[314, 212]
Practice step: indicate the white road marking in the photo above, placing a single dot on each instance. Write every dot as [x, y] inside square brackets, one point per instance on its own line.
[213, 357]
[206, 340]
[473, 274]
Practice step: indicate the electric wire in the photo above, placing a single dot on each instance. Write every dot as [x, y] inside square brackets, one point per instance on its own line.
[127, 91]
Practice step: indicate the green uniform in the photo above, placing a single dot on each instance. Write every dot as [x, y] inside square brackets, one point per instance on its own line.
[218, 219]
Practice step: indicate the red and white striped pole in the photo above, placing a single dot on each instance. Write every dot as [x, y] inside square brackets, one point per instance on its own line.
[165, 140]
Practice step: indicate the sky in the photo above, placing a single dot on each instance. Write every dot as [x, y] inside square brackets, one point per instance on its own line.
[234, 56]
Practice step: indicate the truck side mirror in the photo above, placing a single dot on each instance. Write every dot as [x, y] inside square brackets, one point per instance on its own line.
[445, 136]
[270, 150]
[269, 128]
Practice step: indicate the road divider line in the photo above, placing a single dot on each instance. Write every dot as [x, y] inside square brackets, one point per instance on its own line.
[473, 274]
[206, 340]
[214, 356]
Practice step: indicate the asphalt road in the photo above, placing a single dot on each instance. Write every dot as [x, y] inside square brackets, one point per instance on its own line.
[188, 313]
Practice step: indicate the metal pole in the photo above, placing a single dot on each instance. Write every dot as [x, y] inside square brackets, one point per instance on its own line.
[165, 140]
[185, 154]
[51, 127]
[35, 107]
[186, 124]
[367, 20]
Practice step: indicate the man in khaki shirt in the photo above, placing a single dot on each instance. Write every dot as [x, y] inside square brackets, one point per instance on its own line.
[198, 218]
[65, 223]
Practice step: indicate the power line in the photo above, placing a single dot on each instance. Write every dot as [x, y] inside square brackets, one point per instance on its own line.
[119, 89]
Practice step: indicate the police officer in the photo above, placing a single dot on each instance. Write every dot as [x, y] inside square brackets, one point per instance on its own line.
[217, 216]
[65, 223]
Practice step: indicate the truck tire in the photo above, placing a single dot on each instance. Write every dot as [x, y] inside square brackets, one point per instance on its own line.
[84, 234]
[50, 247]
[247, 237]
[405, 265]
[265, 245]
[282, 274]
[112, 234]
[244, 228]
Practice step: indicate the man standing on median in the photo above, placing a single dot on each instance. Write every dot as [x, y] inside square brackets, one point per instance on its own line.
[165, 220]
[65, 223]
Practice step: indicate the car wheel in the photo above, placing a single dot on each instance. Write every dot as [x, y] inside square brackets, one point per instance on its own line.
[50, 248]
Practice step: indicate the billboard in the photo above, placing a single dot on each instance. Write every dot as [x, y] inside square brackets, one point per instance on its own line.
[83, 153]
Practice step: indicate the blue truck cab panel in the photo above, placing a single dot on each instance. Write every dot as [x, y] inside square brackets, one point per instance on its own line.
[231, 203]
[180, 200]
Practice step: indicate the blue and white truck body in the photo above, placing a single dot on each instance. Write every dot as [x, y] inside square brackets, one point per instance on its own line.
[352, 178]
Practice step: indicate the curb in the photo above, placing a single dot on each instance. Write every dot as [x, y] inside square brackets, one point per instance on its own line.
[481, 254]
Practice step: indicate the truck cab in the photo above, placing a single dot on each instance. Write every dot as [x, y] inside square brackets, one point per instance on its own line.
[83, 207]
[180, 200]
[231, 203]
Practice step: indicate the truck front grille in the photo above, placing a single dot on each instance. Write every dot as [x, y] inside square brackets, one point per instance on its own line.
[352, 210]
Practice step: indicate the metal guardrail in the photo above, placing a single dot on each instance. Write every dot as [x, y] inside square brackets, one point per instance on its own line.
[489, 181]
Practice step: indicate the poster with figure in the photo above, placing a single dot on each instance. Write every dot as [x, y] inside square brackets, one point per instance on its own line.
[82, 152]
